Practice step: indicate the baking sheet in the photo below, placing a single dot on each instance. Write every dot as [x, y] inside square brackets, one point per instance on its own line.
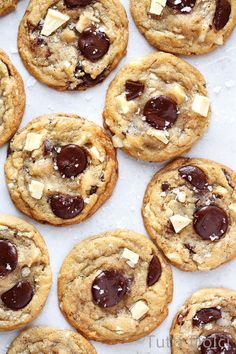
[123, 208]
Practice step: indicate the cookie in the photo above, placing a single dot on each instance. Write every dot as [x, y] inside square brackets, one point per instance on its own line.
[188, 27]
[189, 210]
[7, 6]
[50, 340]
[12, 98]
[115, 287]
[73, 44]
[157, 107]
[25, 273]
[60, 169]
[206, 323]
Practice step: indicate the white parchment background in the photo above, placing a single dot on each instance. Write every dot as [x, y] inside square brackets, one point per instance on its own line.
[123, 209]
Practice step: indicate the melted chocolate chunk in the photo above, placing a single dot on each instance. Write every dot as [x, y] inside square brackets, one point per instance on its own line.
[93, 44]
[183, 6]
[154, 271]
[161, 112]
[165, 186]
[79, 3]
[109, 288]
[205, 316]
[222, 14]
[8, 257]
[218, 343]
[19, 296]
[210, 222]
[71, 160]
[66, 206]
[133, 89]
[194, 175]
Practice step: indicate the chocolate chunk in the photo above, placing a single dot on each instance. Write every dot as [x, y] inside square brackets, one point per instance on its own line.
[218, 343]
[181, 317]
[93, 190]
[183, 6]
[194, 175]
[79, 3]
[71, 160]
[66, 206]
[8, 257]
[9, 150]
[154, 271]
[165, 186]
[210, 222]
[205, 316]
[87, 80]
[19, 296]
[93, 44]
[109, 288]
[48, 147]
[222, 14]
[161, 112]
[133, 89]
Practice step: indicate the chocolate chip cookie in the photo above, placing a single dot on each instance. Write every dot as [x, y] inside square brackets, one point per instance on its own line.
[60, 169]
[206, 323]
[185, 27]
[12, 98]
[50, 340]
[189, 209]
[157, 107]
[73, 44]
[7, 6]
[115, 287]
[25, 273]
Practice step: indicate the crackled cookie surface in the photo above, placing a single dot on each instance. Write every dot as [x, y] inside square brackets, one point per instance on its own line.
[185, 26]
[157, 107]
[60, 169]
[73, 44]
[7, 6]
[25, 274]
[12, 98]
[189, 210]
[206, 323]
[115, 287]
[51, 341]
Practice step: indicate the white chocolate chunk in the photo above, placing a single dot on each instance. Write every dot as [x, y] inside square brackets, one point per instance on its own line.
[139, 309]
[85, 20]
[123, 105]
[219, 40]
[131, 256]
[53, 20]
[201, 105]
[179, 222]
[181, 196]
[157, 6]
[33, 141]
[161, 135]
[117, 142]
[95, 153]
[178, 93]
[232, 208]
[36, 189]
